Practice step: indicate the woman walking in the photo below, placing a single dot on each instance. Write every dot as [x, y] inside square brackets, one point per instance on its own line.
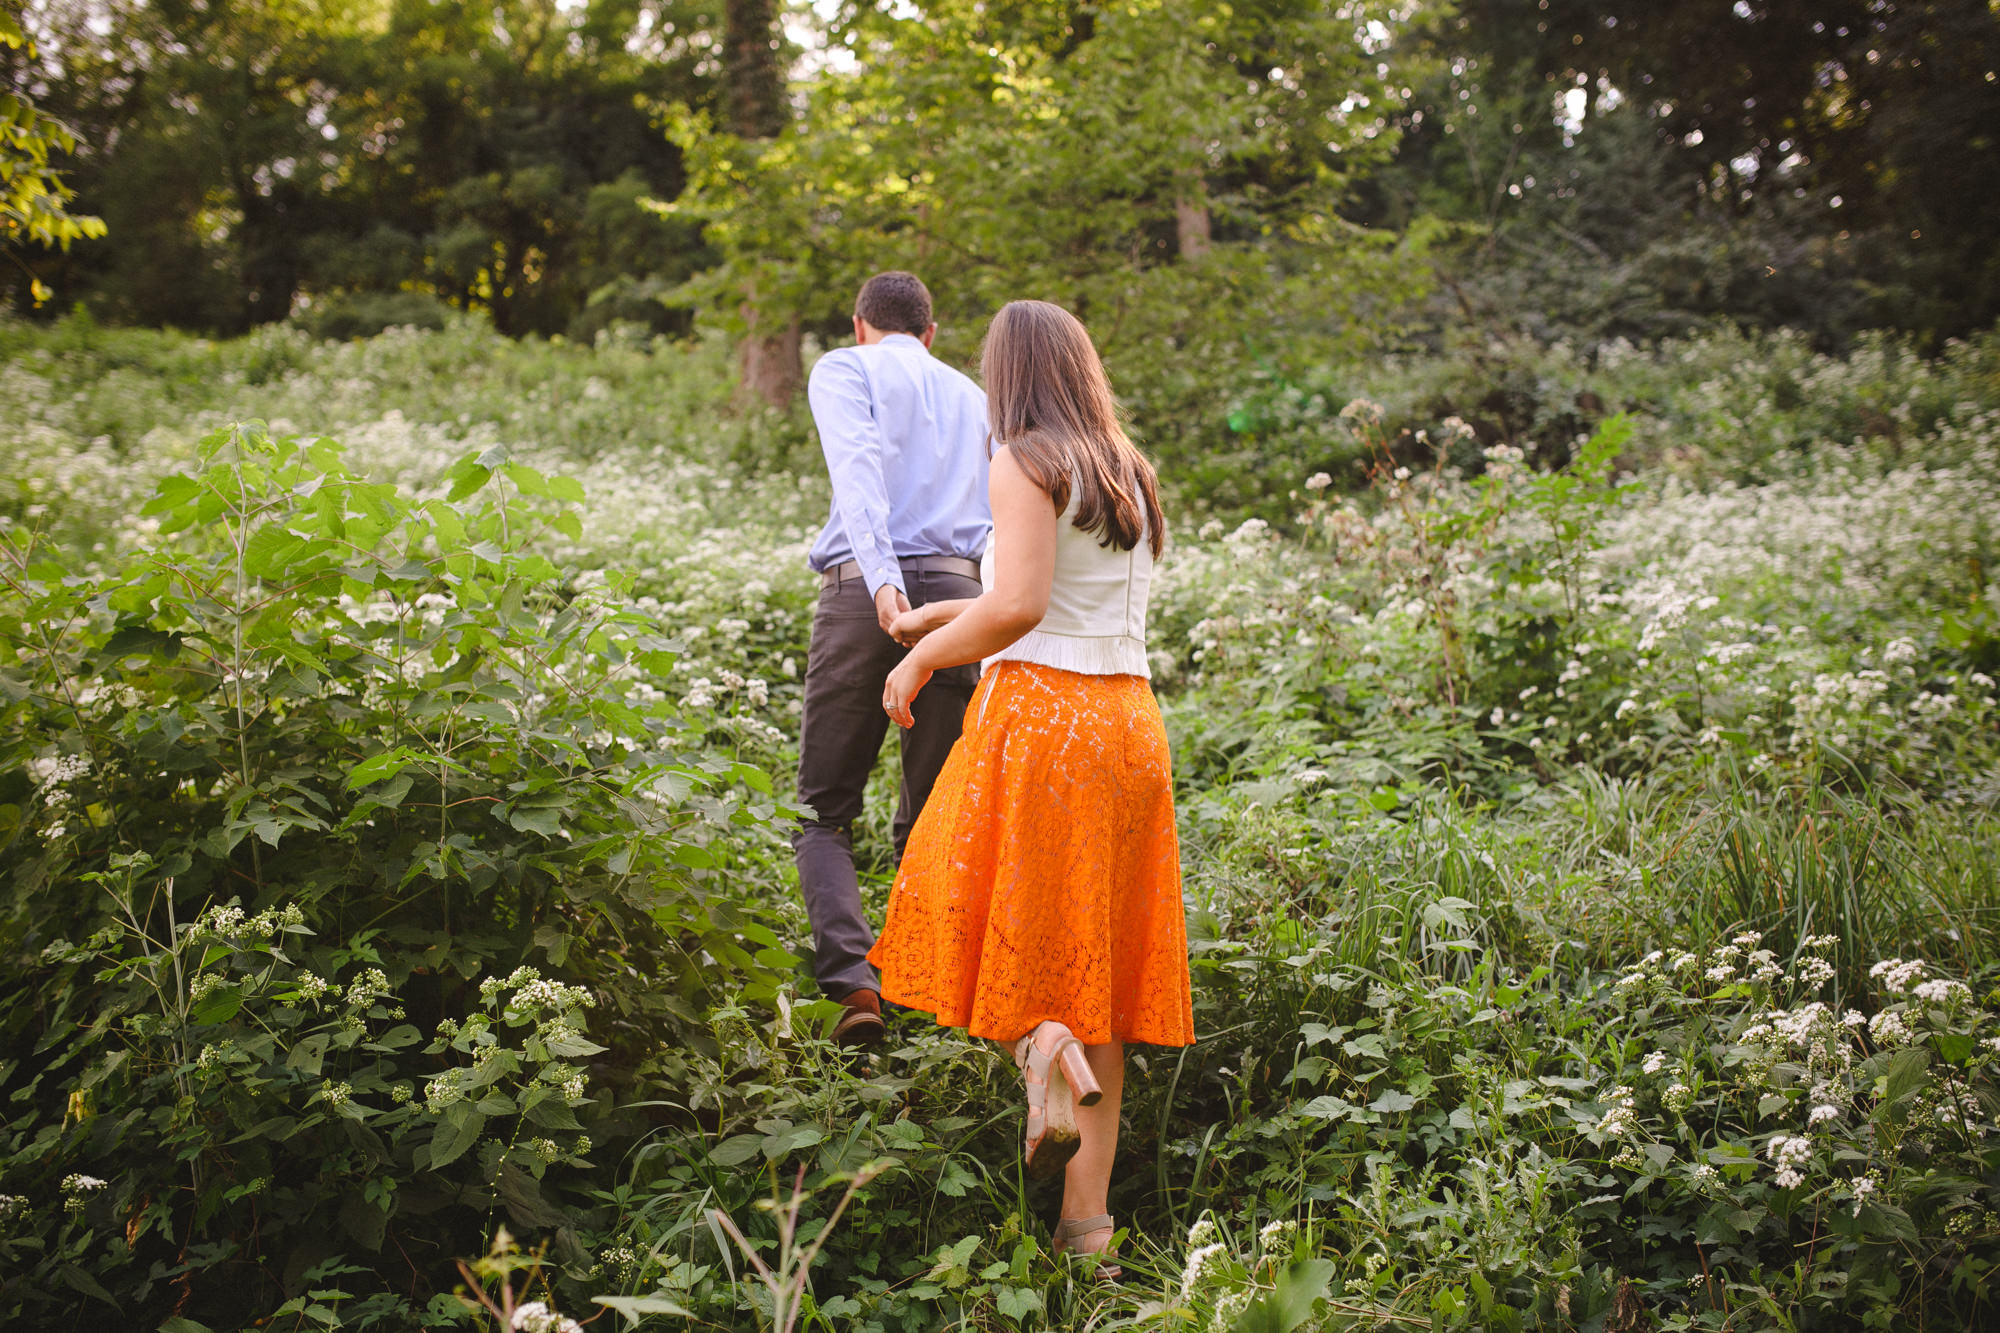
[1039, 900]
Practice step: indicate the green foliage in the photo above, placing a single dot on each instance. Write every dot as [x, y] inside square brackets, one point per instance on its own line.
[1145, 167]
[34, 197]
[258, 156]
[366, 314]
[360, 712]
[1475, 746]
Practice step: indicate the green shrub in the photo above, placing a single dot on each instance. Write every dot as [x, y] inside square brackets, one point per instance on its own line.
[364, 717]
[365, 314]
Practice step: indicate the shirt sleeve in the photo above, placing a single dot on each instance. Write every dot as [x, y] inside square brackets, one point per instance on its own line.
[844, 411]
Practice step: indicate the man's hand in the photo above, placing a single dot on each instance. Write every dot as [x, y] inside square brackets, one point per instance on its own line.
[889, 603]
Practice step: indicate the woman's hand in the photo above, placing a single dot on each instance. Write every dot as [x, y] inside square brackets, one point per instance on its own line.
[910, 626]
[901, 689]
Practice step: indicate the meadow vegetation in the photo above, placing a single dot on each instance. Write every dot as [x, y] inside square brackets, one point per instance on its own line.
[1589, 786]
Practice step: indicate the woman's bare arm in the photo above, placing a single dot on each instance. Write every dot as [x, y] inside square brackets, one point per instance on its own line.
[1024, 570]
[913, 625]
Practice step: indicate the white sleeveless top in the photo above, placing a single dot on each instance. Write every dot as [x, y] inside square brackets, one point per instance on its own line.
[1096, 621]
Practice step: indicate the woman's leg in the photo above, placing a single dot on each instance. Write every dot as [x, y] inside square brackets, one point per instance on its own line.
[1087, 1179]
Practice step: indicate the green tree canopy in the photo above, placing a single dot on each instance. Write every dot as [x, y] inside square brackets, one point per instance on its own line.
[34, 197]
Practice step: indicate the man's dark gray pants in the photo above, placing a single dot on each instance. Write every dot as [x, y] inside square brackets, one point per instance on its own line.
[843, 727]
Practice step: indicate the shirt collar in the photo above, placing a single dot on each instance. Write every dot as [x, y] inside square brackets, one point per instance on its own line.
[906, 337]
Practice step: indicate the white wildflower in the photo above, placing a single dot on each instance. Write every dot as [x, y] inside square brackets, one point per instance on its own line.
[1942, 991]
[1896, 975]
[1788, 1155]
[1888, 1029]
[1277, 1235]
[1199, 1261]
[369, 987]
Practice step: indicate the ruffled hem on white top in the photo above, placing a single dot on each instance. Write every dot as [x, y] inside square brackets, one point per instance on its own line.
[1096, 655]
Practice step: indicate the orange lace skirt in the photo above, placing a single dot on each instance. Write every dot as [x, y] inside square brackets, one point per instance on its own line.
[1043, 878]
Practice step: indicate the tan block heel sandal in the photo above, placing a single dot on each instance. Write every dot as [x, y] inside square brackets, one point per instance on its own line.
[1073, 1229]
[1058, 1080]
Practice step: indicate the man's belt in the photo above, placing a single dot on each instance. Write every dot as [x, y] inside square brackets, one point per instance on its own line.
[923, 564]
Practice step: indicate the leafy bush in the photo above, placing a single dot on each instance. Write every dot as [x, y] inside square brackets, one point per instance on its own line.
[365, 314]
[360, 714]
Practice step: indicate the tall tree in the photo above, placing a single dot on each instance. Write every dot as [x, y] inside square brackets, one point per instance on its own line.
[1079, 154]
[260, 155]
[1850, 147]
[772, 369]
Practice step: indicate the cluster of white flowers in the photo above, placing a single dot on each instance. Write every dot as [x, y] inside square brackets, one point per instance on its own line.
[621, 1261]
[541, 993]
[1200, 1261]
[1229, 1308]
[367, 988]
[443, 1090]
[1888, 1028]
[537, 1317]
[222, 921]
[1362, 411]
[77, 1188]
[1789, 1155]
[1896, 974]
[1278, 1236]
[1502, 460]
[52, 774]
[1943, 991]
[1622, 1117]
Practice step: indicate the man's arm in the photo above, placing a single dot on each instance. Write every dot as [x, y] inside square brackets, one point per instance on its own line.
[845, 415]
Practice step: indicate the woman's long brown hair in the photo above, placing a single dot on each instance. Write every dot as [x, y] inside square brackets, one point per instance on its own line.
[1048, 400]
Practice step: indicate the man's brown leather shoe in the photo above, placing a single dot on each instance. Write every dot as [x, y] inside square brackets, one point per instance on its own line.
[861, 1023]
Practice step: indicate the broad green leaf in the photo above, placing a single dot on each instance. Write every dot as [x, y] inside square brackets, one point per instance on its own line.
[635, 1308]
[737, 1150]
[461, 1129]
[1299, 1288]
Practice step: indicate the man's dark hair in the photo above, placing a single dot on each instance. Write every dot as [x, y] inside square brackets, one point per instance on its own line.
[895, 302]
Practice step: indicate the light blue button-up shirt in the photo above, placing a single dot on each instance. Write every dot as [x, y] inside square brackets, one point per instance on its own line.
[905, 442]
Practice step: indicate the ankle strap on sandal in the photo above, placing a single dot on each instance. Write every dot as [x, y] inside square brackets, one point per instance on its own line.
[1070, 1227]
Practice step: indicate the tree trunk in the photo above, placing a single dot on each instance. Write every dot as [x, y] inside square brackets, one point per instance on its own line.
[1191, 222]
[756, 87]
[772, 369]
[1191, 219]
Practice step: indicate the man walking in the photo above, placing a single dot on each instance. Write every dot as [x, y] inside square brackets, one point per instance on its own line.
[905, 442]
